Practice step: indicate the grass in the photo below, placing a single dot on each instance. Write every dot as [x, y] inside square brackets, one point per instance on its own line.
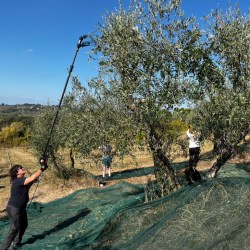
[50, 187]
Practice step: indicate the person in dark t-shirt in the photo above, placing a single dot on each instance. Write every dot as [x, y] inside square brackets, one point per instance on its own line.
[16, 207]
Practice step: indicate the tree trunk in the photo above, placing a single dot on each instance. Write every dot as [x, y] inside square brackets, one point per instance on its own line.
[226, 153]
[61, 171]
[224, 156]
[164, 173]
[72, 158]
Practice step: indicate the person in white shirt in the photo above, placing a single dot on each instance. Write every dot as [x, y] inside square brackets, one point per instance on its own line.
[194, 147]
[192, 174]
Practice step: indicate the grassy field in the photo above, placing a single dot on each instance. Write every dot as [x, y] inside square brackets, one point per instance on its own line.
[50, 187]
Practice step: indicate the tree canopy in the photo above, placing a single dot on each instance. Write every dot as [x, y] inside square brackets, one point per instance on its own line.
[153, 60]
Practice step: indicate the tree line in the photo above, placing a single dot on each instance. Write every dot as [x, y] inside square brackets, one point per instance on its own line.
[15, 130]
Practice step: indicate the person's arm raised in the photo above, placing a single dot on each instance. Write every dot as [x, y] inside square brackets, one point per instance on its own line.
[33, 177]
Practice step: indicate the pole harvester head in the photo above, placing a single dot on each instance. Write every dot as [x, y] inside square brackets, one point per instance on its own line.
[82, 43]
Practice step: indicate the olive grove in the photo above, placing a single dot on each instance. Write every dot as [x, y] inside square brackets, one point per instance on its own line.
[153, 60]
[142, 78]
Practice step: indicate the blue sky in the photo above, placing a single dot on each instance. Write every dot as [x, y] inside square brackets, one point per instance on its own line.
[39, 38]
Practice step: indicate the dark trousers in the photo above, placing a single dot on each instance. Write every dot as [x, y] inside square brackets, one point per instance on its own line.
[18, 224]
[192, 174]
[194, 156]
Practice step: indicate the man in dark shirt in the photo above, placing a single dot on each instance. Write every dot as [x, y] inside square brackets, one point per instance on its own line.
[16, 207]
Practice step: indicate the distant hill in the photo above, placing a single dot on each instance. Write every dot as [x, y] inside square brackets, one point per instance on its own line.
[20, 109]
[24, 113]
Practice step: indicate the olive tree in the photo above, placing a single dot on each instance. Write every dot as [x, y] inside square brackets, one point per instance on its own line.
[141, 80]
[222, 77]
[47, 141]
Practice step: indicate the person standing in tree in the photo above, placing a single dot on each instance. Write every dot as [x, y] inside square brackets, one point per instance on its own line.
[106, 159]
[192, 174]
[16, 207]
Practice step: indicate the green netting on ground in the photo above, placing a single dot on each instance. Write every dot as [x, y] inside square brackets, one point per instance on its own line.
[210, 214]
[77, 219]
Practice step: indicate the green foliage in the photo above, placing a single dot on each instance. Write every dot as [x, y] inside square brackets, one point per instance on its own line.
[221, 96]
[229, 41]
[141, 80]
[142, 62]
[41, 130]
[225, 107]
[175, 144]
[6, 120]
[14, 129]
[14, 135]
[153, 60]
[90, 120]
[42, 133]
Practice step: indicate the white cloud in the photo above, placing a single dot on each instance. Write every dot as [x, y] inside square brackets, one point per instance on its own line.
[29, 50]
